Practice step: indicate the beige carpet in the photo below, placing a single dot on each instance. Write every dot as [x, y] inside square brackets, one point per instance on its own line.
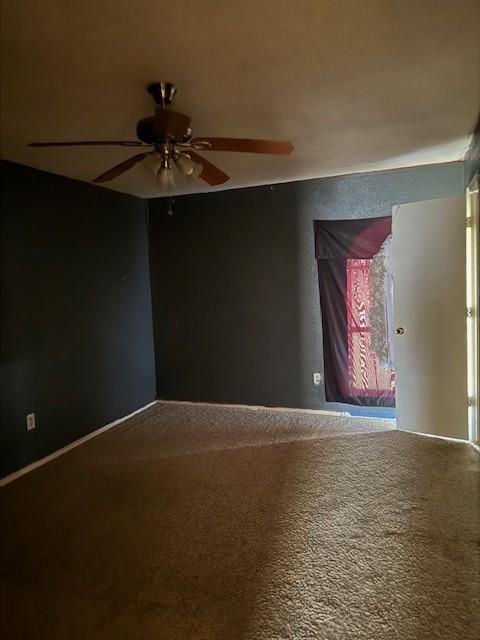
[207, 523]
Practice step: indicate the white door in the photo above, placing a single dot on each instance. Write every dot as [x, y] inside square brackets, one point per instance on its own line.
[430, 315]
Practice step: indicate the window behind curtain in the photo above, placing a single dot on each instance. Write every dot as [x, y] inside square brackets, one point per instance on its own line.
[366, 376]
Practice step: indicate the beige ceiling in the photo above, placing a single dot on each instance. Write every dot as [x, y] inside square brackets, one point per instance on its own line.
[356, 85]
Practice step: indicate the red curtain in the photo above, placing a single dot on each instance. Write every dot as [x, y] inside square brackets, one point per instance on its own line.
[344, 250]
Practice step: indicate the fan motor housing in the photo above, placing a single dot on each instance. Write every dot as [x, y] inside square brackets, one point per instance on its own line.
[164, 126]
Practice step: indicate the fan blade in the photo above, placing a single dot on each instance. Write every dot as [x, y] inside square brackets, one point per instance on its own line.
[210, 173]
[122, 167]
[122, 143]
[247, 145]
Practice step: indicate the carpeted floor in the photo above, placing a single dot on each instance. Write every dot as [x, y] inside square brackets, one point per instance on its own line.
[221, 524]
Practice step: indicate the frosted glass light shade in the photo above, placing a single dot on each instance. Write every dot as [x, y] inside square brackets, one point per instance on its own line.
[152, 164]
[185, 165]
[164, 177]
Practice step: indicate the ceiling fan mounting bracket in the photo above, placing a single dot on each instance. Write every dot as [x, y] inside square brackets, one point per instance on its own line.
[162, 92]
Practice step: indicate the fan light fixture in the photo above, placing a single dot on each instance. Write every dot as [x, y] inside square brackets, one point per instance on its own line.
[166, 137]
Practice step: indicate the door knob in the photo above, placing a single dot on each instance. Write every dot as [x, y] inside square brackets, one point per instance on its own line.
[400, 331]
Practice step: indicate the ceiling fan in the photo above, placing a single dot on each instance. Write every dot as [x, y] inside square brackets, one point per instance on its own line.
[168, 136]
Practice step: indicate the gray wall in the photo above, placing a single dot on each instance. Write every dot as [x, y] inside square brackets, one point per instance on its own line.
[234, 282]
[472, 157]
[76, 341]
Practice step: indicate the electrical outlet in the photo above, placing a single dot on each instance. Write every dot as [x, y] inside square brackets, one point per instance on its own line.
[317, 378]
[31, 422]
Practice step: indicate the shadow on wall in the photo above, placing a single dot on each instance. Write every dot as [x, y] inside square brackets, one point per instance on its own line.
[76, 340]
[225, 297]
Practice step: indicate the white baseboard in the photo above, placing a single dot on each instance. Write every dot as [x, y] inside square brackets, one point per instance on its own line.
[432, 435]
[318, 412]
[76, 443]
[38, 463]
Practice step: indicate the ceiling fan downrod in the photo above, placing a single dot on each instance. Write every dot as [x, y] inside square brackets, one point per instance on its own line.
[162, 92]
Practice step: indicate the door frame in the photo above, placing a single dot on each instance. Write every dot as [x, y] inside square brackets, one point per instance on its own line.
[472, 304]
